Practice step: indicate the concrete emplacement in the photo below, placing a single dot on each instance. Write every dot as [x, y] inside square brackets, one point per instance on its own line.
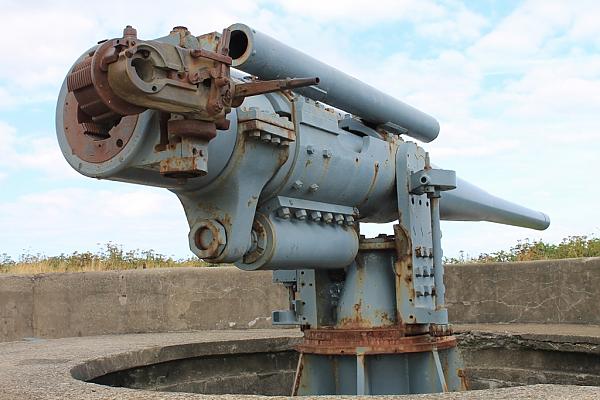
[546, 348]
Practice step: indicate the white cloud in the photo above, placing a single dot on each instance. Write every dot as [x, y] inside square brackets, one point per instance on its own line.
[357, 12]
[517, 101]
[32, 152]
[43, 39]
[71, 219]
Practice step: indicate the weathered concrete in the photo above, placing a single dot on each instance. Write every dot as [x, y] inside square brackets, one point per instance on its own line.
[16, 307]
[557, 291]
[523, 354]
[180, 299]
[95, 303]
[44, 369]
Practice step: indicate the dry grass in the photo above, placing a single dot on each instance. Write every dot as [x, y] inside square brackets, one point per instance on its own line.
[570, 247]
[112, 257]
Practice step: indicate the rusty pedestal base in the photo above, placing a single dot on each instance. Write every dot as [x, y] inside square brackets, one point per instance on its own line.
[395, 360]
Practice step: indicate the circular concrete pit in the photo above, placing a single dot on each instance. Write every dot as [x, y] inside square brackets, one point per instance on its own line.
[212, 364]
[558, 359]
[495, 356]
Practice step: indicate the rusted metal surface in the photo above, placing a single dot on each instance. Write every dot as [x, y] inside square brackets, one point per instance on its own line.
[190, 85]
[91, 147]
[371, 341]
[192, 127]
[243, 90]
[387, 242]
[88, 80]
[440, 330]
[298, 375]
[463, 378]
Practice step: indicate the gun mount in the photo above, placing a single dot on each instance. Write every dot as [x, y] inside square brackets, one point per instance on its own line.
[286, 185]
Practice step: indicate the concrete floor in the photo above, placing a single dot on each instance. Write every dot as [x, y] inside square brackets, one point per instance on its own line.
[41, 369]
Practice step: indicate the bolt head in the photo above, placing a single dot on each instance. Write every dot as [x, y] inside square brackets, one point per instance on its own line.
[301, 214]
[326, 153]
[284, 213]
[298, 184]
[310, 150]
[315, 216]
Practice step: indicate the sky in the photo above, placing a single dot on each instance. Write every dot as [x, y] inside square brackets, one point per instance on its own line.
[515, 86]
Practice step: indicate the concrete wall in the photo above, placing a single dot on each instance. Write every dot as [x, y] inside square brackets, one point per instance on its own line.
[96, 303]
[560, 291]
[179, 299]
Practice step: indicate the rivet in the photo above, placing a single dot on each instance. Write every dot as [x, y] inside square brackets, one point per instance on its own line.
[298, 184]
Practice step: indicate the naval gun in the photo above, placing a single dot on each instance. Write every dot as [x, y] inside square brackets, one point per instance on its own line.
[277, 158]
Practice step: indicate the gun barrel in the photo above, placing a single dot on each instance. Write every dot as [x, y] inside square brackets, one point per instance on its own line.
[260, 55]
[469, 203]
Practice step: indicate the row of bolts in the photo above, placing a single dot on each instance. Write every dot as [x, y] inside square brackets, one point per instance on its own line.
[315, 216]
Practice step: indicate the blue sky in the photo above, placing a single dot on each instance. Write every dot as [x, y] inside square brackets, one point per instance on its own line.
[515, 86]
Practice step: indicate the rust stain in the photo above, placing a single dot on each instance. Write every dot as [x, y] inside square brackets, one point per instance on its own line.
[87, 145]
[463, 379]
[392, 340]
[298, 376]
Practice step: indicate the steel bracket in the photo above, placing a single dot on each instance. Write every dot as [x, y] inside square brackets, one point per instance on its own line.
[431, 181]
[303, 308]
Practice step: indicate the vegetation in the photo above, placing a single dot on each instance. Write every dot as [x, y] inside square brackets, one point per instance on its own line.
[113, 257]
[570, 247]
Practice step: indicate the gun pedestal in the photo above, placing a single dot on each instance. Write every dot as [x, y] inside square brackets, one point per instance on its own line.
[370, 350]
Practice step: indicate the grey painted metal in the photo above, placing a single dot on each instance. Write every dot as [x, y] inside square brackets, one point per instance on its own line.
[416, 302]
[362, 375]
[384, 374]
[286, 193]
[369, 295]
[267, 58]
[348, 170]
[438, 265]
[470, 203]
[440, 370]
[294, 243]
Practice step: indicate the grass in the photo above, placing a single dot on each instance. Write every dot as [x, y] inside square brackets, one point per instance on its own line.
[113, 257]
[526, 250]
